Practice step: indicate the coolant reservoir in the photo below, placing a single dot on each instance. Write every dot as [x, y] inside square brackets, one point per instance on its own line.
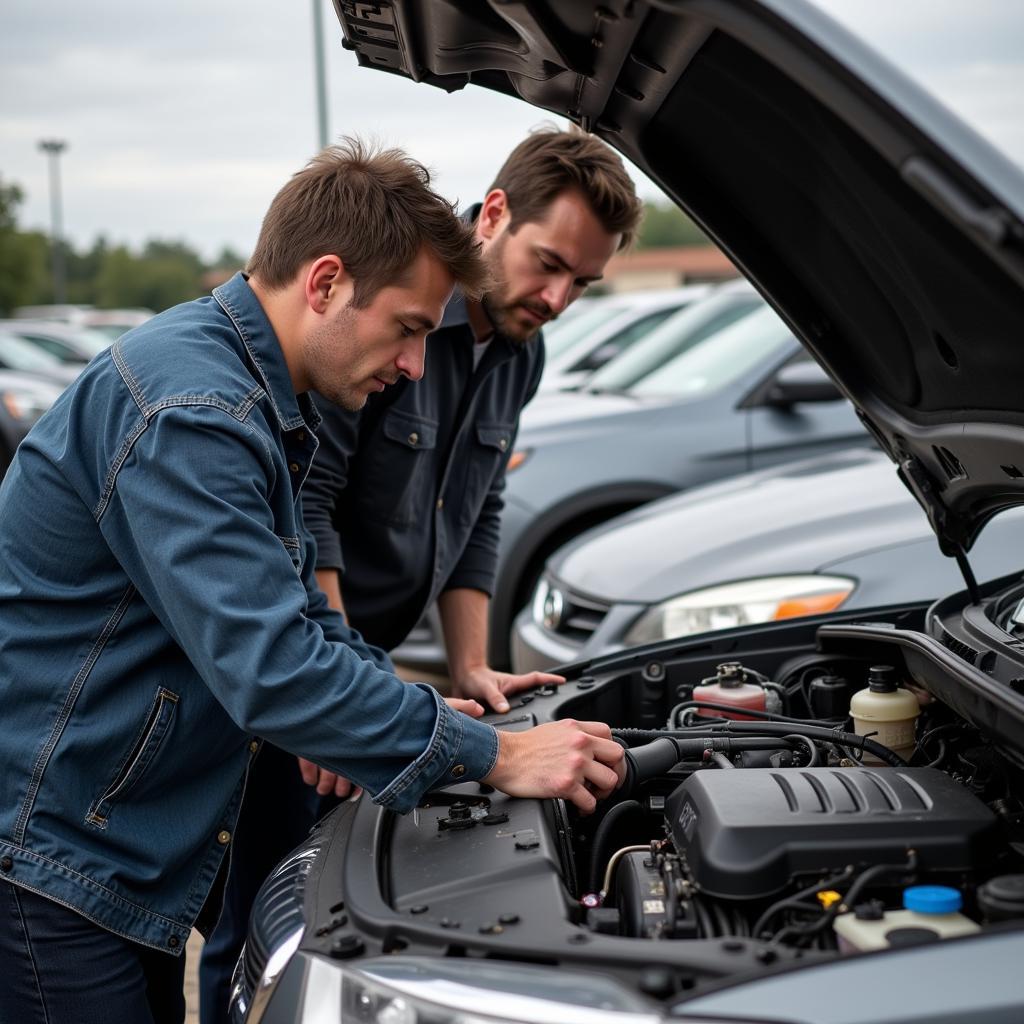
[931, 912]
[730, 686]
[886, 709]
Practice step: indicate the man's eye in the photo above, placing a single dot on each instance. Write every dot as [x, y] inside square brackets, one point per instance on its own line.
[407, 331]
[548, 268]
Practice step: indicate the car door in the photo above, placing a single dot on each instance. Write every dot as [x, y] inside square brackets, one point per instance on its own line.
[796, 412]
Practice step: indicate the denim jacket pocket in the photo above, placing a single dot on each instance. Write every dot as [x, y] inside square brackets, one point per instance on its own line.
[138, 758]
[399, 483]
[486, 457]
[293, 545]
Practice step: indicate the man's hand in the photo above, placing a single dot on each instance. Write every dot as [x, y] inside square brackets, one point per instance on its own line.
[327, 781]
[490, 687]
[576, 761]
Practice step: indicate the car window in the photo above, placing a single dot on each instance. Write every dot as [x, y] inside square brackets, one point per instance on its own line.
[719, 359]
[18, 354]
[560, 337]
[614, 346]
[679, 332]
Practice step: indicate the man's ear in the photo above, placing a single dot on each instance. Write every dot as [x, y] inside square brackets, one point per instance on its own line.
[327, 284]
[494, 214]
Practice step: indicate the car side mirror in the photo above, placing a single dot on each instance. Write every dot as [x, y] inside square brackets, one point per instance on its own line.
[803, 381]
[598, 357]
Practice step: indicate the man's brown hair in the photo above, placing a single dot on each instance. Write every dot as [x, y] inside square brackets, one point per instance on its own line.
[549, 162]
[373, 209]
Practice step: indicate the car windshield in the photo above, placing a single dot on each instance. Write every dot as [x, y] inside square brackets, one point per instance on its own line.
[18, 354]
[678, 333]
[560, 337]
[719, 359]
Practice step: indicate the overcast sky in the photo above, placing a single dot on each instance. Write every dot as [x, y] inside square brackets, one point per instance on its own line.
[183, 119]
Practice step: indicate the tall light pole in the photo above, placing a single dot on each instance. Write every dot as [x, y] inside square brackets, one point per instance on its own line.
[53, 149]
[321, 75]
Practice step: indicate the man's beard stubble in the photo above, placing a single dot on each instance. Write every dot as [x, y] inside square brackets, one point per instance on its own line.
[339, 332]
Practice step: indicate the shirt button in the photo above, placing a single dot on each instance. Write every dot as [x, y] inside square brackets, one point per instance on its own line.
[300, 436]
[503, 443]
[254, 746]
[458, 771]
[294, 467]
[414, 438]
[224, 837]
[440, 504]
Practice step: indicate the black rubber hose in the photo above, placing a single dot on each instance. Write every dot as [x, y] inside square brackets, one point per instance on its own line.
[767, 716]
[601, 834]
[814, 732]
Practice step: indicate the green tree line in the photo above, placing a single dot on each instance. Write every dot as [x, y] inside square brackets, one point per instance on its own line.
[163, 273]
[160, 274]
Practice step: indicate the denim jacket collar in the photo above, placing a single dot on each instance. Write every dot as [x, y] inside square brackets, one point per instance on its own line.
[239, 301]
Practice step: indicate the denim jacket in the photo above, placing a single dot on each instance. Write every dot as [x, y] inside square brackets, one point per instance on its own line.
[158, 618]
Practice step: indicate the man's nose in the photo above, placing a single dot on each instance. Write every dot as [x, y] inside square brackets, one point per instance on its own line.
[410, 359]
[557, 294]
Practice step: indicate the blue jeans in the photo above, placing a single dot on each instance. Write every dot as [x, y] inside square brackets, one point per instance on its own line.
[277, 813]
[60, 968]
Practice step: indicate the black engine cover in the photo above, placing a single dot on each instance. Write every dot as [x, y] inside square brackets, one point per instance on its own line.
[749, 833]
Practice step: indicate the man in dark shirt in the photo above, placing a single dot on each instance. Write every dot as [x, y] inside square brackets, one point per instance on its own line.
[404, 496]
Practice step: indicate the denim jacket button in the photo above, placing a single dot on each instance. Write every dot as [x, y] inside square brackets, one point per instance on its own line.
[6, 864]
[440, 504]
[174, 942]
[458, 771]
[254, 746]
[414, 439]
[294, 467]
[224, 837]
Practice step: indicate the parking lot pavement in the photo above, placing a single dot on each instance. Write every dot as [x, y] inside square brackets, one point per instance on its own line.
[192, 951]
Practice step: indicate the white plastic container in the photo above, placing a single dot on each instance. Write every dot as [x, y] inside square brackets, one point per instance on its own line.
[927, 909]
[887, 710]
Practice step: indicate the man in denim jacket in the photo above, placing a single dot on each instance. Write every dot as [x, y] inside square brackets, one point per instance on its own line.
[158, 613]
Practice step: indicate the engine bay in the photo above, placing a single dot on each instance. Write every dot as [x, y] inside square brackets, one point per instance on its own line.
[761, 825]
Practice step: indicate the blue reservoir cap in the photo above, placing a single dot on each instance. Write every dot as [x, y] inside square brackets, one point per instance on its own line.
[932, 899]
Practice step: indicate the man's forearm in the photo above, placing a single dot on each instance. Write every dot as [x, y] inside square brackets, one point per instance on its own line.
[464, 619]
[329, 581]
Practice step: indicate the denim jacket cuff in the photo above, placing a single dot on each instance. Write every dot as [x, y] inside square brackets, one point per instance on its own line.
[461, 749]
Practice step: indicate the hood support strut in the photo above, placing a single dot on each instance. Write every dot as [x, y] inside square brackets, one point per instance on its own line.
[968, 574]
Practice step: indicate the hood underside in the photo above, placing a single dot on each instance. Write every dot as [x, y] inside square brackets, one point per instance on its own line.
[886, 233]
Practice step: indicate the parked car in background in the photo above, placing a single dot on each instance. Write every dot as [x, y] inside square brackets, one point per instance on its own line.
[839, 531]
[742, 397]
[69, 343]
[112, 322]
[611, 324]
[24, 397]
[18, 354]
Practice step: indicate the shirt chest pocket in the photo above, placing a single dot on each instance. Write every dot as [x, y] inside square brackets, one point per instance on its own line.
[488, 448]
[399, 481]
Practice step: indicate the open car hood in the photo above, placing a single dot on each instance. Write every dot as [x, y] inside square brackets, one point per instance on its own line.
[886, 233]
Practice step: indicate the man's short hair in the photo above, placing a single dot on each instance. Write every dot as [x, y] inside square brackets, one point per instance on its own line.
[372, 208]
[549, 162]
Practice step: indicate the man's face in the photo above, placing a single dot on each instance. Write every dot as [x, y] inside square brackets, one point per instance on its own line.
[357, 351]
[544, 265]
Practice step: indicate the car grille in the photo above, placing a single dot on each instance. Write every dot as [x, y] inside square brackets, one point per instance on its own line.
[580, 617]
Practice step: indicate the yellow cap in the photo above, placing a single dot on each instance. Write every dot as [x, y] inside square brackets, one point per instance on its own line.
[828, 897]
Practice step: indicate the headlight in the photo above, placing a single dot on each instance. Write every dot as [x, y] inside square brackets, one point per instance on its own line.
[405, 990]
[740, 604]
[517, 458]
[548, 606]
[27, 404]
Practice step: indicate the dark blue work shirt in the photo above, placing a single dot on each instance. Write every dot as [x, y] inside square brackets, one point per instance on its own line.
[158, 616]
[405, 496]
